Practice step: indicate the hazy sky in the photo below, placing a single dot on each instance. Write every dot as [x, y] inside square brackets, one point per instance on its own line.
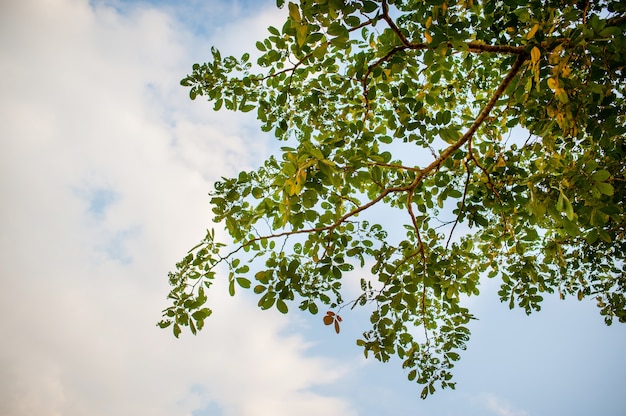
[105, 166]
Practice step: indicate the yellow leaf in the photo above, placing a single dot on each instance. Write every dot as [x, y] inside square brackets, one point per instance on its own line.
[561, 95]
[428, 37]
[291, 187]
[535, 54]
[532, 32]
[428, 22]
[560, 118]
[553, 84]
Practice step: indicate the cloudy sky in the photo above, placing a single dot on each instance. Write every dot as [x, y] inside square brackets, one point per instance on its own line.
[105, 165]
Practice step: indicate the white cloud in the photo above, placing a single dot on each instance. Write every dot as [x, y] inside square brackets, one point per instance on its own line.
[105, 166]
[90, 107]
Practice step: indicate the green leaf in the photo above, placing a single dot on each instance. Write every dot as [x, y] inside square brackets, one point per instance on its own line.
[273, 31]
[592, 236]
[246, 107]
[605, 188]
[569, 209]
[563, 204]
[294, 12]
[337, 29]
[201, 314]
[267, 301]
[449, 135]
[165, 324]
[601, 176]
[369, 6]
[571, 228]
[281, 306]
[243, 282]
[320, 51]
[302, 31]
[353, 21]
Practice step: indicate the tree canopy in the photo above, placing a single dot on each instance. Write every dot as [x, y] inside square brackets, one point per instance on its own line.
[427, 145]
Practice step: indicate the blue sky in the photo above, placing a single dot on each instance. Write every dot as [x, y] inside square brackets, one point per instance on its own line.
[105, 166]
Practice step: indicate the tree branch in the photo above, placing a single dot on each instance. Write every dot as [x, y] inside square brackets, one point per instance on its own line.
[421, 173]
[473, 46]
[479, 120]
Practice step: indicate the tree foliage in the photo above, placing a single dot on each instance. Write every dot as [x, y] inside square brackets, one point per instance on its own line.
[405, 121]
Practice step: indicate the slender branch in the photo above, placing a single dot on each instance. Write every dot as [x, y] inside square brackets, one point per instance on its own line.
[422, 253]
[394, 166]
[393, 25]
[490, 184]
[462, 207]
[291, 69]
[366, 23]
[370, 68]
[616, 21]
[585, 11]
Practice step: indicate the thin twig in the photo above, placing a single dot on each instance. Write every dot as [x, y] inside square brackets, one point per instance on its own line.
[422, 253]
[462, 207]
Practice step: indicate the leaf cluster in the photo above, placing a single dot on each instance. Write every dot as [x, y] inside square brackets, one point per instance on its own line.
[502, 121]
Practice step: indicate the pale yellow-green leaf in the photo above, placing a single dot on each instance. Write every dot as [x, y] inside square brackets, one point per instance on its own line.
[294, 12]
[302, 31]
